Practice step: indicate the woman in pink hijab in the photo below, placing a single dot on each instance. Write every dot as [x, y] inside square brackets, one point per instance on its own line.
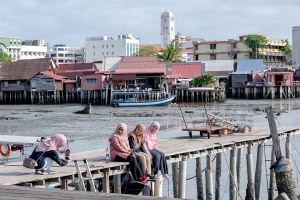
[46, 152]
[120, 152]
[158, 158]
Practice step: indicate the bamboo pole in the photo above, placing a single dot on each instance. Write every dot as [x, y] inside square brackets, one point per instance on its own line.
[250, 193]
[258, 170]
[218, 176]
[175, 177]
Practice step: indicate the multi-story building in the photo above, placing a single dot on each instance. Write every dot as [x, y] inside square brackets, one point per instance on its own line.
[62, 54]
[32, 49]
[167, 26]
[237, 49]
[296, 45]
[99, 47]
[11, 46]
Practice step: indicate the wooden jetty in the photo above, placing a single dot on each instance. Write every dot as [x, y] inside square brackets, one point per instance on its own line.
[178, 151]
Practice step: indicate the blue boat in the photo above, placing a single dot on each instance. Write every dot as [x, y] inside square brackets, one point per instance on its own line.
[137, 98]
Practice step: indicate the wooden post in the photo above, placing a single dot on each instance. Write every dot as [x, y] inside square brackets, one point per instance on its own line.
[199, 180]
[209, 179]
[285, 180]
[117, 183]
[239, 166]
[258, 170]
[288, 148]
[271, 192]
[233, 182]
[175, 177]
[250, 193]
[218, 176]
[182, 178]
[158, 185]
[105, 182]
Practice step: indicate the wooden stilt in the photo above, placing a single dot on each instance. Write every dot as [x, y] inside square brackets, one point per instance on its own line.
[239, 166]
[233, 182]
[182, 178]
[200, 193]
[105, 182]
[271, 192]
[258, 170]
[250, 192]
[288, 148]
[175, 177]
[218, 176]
[117, 183]
[158, 185]
[209, 179]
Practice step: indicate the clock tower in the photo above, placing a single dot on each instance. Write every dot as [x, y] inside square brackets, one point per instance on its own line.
[167, 26]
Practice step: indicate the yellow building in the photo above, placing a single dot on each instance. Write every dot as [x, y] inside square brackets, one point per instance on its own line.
[237, 49]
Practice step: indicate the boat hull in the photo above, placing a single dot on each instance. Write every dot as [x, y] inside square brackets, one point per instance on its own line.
[161, 102]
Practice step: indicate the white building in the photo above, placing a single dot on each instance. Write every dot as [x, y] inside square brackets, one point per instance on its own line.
[296, 45]
[167, 26]
[62, 54]
[99, 47]
[11, 46]
[33, 49]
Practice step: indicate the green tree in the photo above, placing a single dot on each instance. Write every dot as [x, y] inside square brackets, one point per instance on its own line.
[254, 42]
[203, 80]
[147, 51]
[287, 50]
[4, 57]
[171, 53]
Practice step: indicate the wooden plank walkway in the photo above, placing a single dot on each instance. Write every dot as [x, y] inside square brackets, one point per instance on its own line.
[13, 173]
[26, 193]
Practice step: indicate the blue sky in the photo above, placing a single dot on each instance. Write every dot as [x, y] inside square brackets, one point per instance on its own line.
[71, 21]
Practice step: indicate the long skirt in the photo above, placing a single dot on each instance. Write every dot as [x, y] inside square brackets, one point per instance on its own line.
[145, 162]
[159, 161]
[134, 166]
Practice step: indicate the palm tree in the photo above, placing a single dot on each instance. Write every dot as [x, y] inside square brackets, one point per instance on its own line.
[170, 53]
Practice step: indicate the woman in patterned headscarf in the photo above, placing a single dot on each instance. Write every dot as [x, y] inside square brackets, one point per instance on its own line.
[136, 143]
[120, 152]
[158, 158]
[46, 152]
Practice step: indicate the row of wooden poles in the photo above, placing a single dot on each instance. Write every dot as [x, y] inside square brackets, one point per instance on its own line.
[213, 189]
[185, 95]
[269, 92]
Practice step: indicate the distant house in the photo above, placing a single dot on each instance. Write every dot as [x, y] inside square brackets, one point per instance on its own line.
[139, 72]
[279, 76]
[15, 77]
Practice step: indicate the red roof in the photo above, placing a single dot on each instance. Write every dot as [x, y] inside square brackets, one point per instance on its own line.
[76, 66]
[186, 70]
[52, 75]
[71, 74]
[141, 64]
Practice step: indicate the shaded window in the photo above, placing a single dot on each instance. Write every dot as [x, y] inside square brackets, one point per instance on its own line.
[213, 57]
[213, 46]
[91, 81]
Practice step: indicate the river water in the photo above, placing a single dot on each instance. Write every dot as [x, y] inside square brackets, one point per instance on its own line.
[92, 131]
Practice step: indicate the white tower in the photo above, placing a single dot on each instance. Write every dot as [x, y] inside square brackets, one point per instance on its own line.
[167, 28]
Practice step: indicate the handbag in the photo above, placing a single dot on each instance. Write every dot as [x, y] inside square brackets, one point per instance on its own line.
[29, 163]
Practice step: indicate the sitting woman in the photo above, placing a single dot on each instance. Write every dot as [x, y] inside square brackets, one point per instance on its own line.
[120, 152]
[158, 158]
[136, 143]
[46, 152]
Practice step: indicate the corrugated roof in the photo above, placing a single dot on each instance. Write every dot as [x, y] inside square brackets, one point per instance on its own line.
[25, 69]
[218, 65]
[141, 64]
[54, 76]
[72, 74]
[250, 65]
[186, 70]
[76, 66]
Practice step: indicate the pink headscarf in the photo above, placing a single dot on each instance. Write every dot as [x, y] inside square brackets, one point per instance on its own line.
[150, 137]
[53, 143]
[123, 139]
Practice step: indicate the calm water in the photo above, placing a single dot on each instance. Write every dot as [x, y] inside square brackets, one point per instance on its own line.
[91, 131]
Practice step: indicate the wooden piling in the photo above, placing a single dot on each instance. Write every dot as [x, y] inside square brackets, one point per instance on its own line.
[233, 182]
[258, 170]
[199, 180]
[250, 192]
[182, 178]
[209, 179]
[175, 177]
[288, 148]
[218, 176]
[271, 191]
[158, 185]
[117, 183]
[239, 166]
